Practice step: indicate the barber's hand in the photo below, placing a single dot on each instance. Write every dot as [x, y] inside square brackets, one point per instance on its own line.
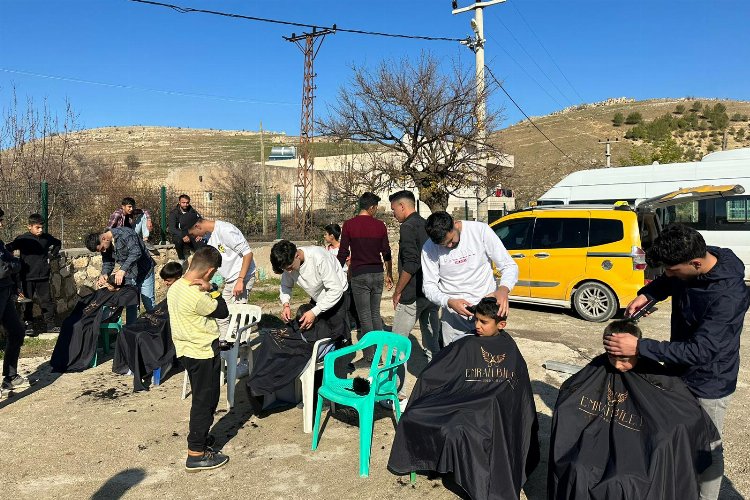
[186, 239]
[389, 282]
[621, 344]
[501, 294]
[102, 281]
[307, 320]
[635, 305]
[286, 313]
[119, 277]
[459, 305]
[204, 285]
[239, 287]
[396, 298]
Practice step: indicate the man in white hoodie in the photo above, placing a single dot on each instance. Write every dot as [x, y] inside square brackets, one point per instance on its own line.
[457, 270]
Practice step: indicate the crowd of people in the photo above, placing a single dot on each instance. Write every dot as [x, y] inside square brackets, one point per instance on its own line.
[643, 420]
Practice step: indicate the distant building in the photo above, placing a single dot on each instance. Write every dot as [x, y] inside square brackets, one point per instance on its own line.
[283, 153]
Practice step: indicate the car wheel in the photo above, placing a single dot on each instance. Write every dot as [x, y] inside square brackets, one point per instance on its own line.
[595, 302]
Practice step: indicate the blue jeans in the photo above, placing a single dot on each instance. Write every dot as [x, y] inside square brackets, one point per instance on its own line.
[148, 298]
[710, 480]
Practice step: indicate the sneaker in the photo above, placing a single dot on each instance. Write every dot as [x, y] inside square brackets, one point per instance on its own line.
[428, 355]
[388, 404]
[209, 460]
[225, 346]
[29, 331]
[15, 383]
[22, 299]
[53, 329]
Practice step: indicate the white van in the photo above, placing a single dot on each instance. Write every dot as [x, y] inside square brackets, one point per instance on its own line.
[723, 222]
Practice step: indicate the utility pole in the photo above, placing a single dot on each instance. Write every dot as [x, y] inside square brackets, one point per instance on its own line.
[305, 155]
[263, 196]
[476, 44]
[608, 151]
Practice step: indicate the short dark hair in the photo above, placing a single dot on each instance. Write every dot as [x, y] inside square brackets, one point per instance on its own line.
[127, 201]
[301, 310]
[171, 270]
[402, 195]
[368, 200]
[35, 219]
[333, 229]
[183, 195]
[623, 326]
[282, 255]
[676, 244]
[205, 257]
[487, 307]
[438, 225]
[92, 241]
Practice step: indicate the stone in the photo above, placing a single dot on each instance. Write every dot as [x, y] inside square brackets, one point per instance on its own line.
[62, 306]
[93, 272]
[80, 276]
[69, 288]
[56, 281]
[96, 260]
[64, 272]
[80, 262]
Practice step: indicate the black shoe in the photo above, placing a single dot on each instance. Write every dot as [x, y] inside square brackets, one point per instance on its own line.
[29, 331]
[53, 329]
[15, 383]
[209, 460]
[256, 403]
[225, 346]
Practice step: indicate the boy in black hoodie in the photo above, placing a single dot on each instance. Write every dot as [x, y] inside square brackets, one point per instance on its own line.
[37, 248]
[709, 302]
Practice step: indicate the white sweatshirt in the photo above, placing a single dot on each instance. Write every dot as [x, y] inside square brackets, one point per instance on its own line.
[320, 276]
[465, 271]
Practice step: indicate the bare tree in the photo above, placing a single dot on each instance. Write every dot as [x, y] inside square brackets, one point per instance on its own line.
[424, 123]
[237, 197]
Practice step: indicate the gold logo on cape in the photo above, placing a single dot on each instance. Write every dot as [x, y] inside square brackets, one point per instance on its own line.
[492, 359]
[612, 410]
[492, 372]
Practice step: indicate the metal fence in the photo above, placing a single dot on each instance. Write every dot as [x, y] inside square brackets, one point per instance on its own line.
[78, 210]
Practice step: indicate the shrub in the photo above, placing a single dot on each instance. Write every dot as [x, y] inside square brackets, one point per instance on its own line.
[132, 162]
[618, 119]
[634, 118]
[740, 134]
[711, 148]
[679, 109]
[736, 117]
[696, 106]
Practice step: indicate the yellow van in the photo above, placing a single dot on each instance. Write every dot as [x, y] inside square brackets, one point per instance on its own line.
[588, 257]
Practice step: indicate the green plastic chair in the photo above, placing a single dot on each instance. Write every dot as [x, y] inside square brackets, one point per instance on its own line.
[104, 330]
[391, 351]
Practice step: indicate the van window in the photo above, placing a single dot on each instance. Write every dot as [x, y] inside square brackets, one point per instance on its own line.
[605, 231]
[732, 213]
[561, 233]
[515, 234]
[542, 203]
[691, 213]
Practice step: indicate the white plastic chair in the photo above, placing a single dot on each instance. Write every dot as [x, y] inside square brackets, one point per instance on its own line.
[242, 318]
[305, 384]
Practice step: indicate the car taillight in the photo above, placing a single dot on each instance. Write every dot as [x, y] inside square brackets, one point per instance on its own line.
[639, 258]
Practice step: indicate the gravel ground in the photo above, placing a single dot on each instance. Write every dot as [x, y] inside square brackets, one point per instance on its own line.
[87, 435]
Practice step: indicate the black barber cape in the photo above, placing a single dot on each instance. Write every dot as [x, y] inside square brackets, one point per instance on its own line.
[282, 355]
[76, 345]
[472, 413]
[145, 346]
[634, 435]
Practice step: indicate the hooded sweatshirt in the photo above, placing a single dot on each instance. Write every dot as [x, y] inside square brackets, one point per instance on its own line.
[36, 251]
[707, 317]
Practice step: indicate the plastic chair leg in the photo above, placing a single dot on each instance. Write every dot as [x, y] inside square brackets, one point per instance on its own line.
[231, 361]
[94, 360]
[307, 383]
[396, 407]
[106, 340]
[185, 380]
[413, 478]
[365, 443]
[316, 424]
[156, 377]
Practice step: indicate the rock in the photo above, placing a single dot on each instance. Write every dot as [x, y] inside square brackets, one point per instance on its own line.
[80, 262]
[93, 272]
[62, 306]
[56, 281]
[96, 260]
[69, 288]
[80, 276]
[65, 272]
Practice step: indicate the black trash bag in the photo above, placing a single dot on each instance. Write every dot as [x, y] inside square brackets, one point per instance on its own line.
[472, 414]
[638, 434]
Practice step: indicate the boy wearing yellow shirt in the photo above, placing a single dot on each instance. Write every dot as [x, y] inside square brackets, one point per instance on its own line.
[193, 312]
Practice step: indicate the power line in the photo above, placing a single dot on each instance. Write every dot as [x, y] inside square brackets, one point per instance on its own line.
[188, 10]
[561, 105]
[527, 116]
[146, 89]
[513, 3]
[532, 58]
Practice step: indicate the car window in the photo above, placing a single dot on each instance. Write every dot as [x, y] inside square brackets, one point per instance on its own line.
[732, 213]
[515, 234]
[561, 233]
[605, 231]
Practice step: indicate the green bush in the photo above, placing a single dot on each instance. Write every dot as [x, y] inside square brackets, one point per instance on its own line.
[634, 118]
[740, 134]
[618, 119]
[679, 109]
[736, 117]
[696, 106]
[711, 148]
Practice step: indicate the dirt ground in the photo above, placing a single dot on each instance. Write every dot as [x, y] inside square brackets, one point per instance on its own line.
[87, 435]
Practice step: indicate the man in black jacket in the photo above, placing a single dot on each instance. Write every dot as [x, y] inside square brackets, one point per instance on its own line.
[710, 300]
[9, 266]
[178, 231]
[37, 248]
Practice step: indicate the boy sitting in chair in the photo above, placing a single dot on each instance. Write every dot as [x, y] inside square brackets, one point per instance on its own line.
[623, 428]
[472, 414]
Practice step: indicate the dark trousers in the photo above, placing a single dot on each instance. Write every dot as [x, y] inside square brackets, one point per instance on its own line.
[181, 247]
[367, 289]
[40, 291]
[14, 332]
[204, 384]
[336, 318]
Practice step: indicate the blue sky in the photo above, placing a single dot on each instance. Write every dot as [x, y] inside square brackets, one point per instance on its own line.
[638, 48]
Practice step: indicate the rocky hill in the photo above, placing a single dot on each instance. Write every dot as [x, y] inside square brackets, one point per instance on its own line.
[576, 131]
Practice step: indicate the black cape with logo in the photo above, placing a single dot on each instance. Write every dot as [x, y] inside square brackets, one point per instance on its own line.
[145, 346]
[79, 333]
[639, 434]
[472, 414]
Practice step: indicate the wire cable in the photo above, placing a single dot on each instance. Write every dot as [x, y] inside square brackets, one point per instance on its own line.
[497, 82]
[188, 10]
[513, 3]
[532, 58]
[146, 89]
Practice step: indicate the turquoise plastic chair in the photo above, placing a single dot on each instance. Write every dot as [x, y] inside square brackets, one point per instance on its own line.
[391, 351]
[104, 330]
